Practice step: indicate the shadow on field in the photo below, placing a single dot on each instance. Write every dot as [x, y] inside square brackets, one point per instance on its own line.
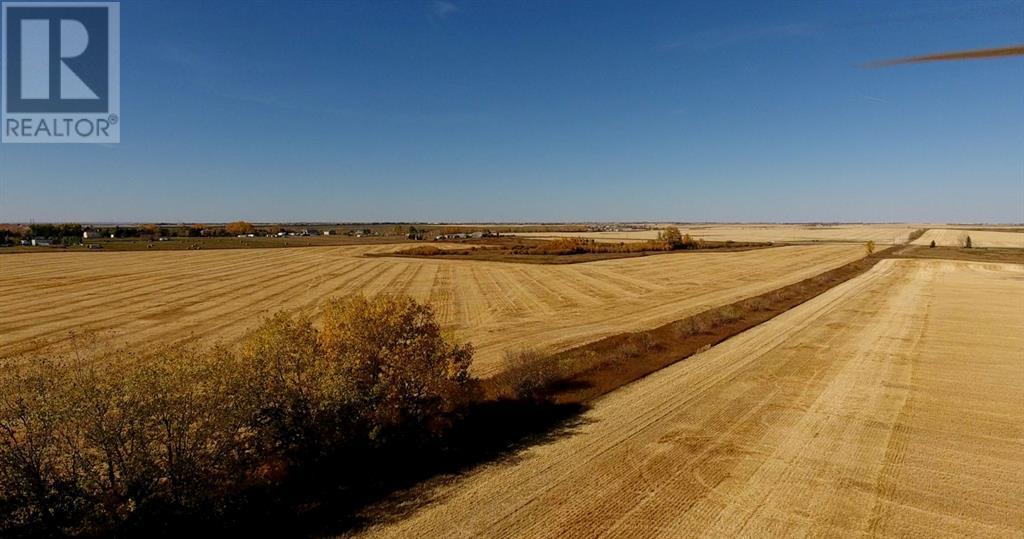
[394, 483]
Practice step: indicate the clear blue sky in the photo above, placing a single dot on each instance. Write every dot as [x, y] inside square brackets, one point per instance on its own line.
[546, 111]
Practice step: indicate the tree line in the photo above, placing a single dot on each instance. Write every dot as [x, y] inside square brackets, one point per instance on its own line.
[73, 232]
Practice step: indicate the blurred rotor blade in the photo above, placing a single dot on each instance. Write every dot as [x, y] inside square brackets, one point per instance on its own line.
[1015, 50]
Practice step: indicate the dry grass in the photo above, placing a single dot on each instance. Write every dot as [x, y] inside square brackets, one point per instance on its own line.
[526, 375]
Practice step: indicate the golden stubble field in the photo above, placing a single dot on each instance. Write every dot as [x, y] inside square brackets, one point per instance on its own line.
[949, 237]
[156, 297]
[890, 406]
[881, 234]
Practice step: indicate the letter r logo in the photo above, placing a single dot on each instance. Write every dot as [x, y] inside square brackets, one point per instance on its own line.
[57, 58]
[60, 72]
[36, 59]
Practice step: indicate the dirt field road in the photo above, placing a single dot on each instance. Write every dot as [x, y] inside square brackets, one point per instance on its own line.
[155, 297]
[892, 405]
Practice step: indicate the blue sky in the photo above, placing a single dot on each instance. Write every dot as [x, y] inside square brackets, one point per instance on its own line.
[546, 111]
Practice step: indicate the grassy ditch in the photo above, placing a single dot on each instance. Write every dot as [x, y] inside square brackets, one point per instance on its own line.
[581, 374]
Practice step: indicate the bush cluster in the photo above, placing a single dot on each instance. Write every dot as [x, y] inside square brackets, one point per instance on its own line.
[430, 250]
[574, 246]
[675, 240]
[97, 443]
[527, 375]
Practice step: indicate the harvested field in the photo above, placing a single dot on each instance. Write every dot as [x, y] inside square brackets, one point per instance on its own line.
[949, 237]
[155, 297]
[887, 406]
[988, 254]
[882, 234]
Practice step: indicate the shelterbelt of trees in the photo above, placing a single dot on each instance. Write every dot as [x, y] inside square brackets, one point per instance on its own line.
[73, 232]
